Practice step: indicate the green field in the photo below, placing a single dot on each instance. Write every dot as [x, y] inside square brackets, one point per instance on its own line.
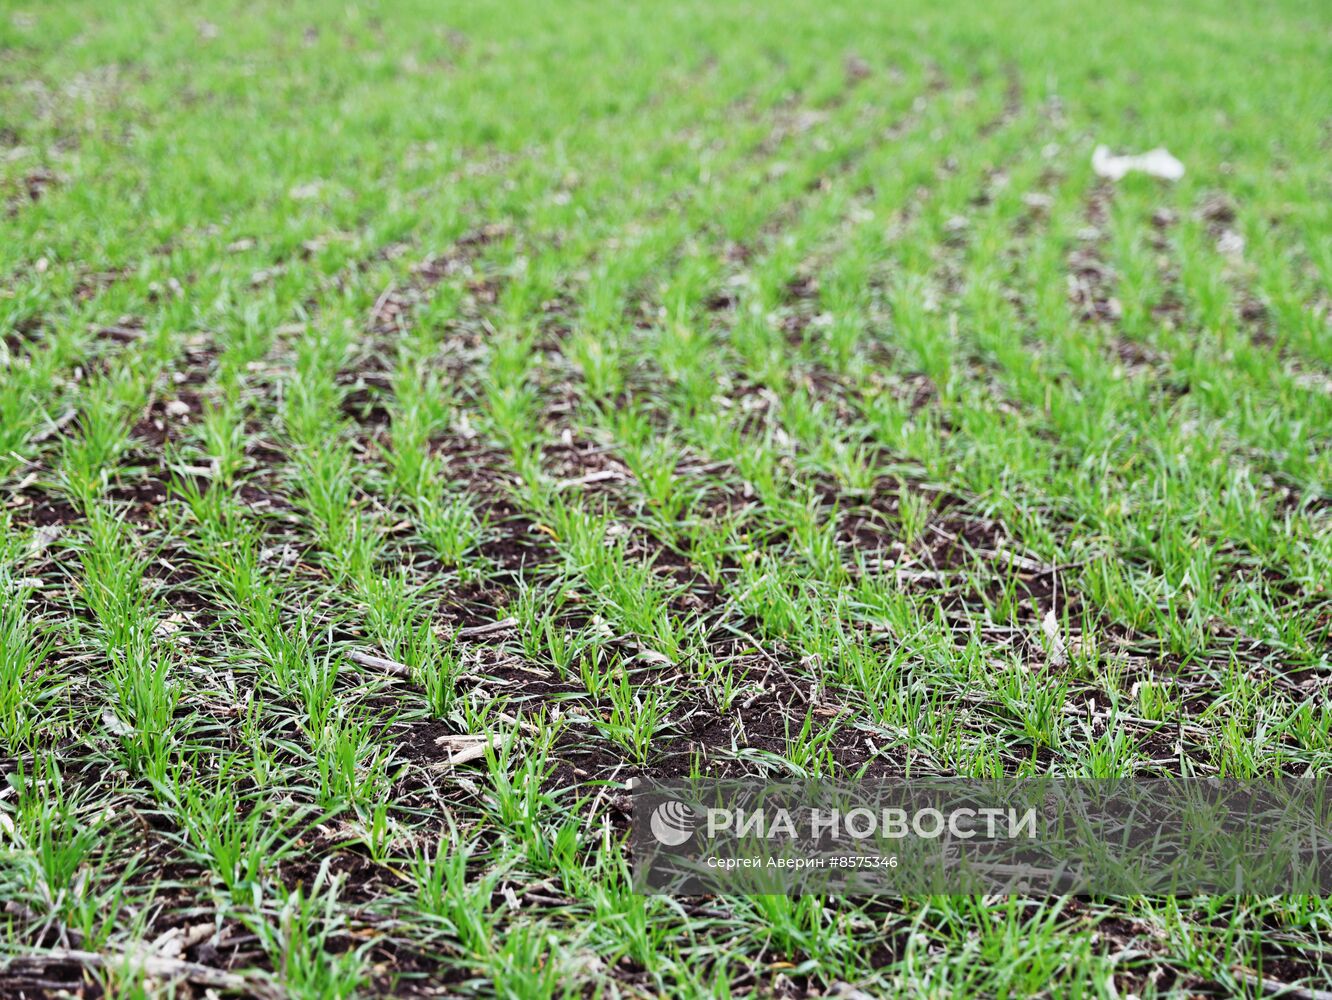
[417, 420]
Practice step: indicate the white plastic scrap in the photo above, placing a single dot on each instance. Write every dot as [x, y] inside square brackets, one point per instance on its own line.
[1058, 650]
[1155, 163]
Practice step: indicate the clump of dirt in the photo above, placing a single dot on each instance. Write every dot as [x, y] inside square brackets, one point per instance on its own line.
[32, 188]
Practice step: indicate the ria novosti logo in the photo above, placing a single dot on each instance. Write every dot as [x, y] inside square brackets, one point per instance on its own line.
[672, 822]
